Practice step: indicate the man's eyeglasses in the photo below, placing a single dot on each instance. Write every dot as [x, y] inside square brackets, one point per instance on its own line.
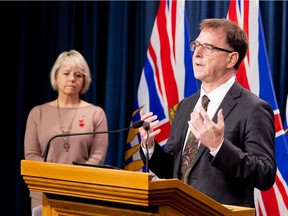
[206, 48]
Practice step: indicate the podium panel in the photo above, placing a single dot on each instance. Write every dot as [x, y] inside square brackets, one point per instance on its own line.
[82, 190]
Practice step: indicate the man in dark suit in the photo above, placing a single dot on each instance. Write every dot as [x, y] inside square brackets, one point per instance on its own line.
[235, 136]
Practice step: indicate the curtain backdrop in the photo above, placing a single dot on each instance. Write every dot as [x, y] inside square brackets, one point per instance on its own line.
[113, 37]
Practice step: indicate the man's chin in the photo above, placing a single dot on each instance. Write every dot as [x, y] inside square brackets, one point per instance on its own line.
[198, 75]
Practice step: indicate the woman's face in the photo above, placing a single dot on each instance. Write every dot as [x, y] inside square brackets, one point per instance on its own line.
[70, 80]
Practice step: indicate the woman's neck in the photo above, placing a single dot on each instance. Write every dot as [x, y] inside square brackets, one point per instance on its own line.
[68, 102]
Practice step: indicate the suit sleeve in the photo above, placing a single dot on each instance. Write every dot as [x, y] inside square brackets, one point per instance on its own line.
[250, 156]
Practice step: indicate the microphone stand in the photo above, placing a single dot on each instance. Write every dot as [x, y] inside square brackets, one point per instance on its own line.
[136, 124]
[147, 152]
[146, 127]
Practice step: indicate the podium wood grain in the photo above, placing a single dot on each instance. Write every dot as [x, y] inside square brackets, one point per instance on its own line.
[81, 190]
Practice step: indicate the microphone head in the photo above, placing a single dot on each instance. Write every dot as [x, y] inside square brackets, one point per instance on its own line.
[146, 126]
[137, 124]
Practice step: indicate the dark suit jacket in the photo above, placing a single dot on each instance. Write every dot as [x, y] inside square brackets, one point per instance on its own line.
[246, 159]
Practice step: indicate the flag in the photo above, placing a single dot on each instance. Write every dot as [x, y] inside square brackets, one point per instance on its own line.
[254, 74]
[167, 76]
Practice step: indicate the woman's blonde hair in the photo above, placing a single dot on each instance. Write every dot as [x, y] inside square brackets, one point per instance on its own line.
[71, 58]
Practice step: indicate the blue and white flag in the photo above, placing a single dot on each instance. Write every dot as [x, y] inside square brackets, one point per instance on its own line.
[167, 76]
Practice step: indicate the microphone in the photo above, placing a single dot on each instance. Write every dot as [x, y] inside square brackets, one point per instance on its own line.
[146, 126]
[136, 124]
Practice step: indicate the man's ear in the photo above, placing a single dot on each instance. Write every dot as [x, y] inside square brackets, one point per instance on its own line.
[232, 59]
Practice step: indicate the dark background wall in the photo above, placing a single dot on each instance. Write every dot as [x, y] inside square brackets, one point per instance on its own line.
[113, 37]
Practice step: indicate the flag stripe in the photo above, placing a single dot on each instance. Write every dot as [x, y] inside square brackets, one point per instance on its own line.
[165, 52]
[282, 190]
[232, 15]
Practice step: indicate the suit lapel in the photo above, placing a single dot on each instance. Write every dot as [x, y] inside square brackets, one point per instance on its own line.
[229, 101]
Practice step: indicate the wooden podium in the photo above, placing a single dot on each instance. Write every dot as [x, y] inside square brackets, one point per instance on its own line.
[82, 190]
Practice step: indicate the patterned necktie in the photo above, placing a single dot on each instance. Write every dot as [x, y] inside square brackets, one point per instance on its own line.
[191, 148]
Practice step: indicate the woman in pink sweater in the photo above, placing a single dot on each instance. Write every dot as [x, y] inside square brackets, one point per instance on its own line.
[70, 77]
